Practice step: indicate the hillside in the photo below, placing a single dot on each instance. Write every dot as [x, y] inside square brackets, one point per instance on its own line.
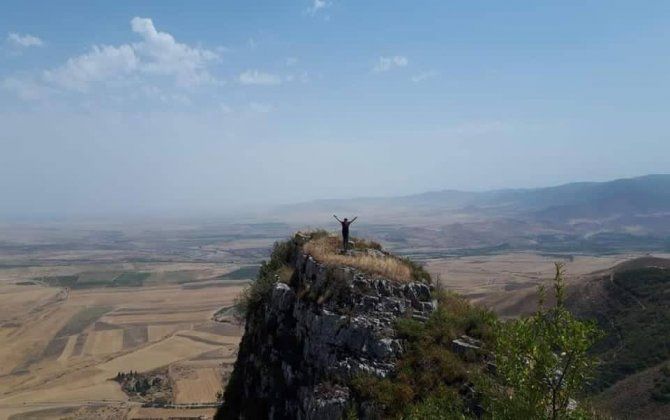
[325, 340]
[642, 195]
[631, 303]
[363, 333]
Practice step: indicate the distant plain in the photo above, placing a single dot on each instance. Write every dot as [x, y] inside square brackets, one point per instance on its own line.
[82, 301]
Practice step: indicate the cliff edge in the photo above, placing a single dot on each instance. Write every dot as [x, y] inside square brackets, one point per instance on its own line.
[316, 319]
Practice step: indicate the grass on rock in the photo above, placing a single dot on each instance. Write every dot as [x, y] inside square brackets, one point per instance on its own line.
[327, 250]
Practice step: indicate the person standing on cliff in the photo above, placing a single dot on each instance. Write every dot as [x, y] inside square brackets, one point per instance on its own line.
[345, 230]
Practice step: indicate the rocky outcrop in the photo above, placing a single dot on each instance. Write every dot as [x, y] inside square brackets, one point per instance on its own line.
[307, 340]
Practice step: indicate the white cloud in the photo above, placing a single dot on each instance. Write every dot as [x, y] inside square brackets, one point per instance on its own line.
[255, 77]
[103, 63]
[420, 77]
[25, 41]
[161, 54]
[387, 63]
[317, 5]
[157, 54]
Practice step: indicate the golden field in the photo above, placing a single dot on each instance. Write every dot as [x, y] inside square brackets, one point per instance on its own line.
[507, 283]
[61, 347]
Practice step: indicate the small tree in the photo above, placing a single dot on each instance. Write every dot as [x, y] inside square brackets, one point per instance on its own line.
[542, 362]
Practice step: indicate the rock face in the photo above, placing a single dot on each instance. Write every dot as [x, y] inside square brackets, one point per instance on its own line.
[304, 344]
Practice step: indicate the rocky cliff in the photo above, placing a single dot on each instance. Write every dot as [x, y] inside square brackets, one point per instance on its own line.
[309, 334]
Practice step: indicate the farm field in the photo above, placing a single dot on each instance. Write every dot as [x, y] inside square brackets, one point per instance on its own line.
[72, 319]
[63, 346]
[507, 283]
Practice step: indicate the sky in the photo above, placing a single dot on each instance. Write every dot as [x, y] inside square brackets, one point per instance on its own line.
[206, 107]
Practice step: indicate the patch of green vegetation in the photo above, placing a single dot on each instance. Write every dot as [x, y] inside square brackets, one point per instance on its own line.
[541, 365]
[363, 244]
[60, 281]
[82, 319]
[269, 273]
[636, 323]
[130, 280]
[243, 273]
[251, 300]
[92, 280]
[418, 272]
[429, 375]
[661, 391]
[541, 362]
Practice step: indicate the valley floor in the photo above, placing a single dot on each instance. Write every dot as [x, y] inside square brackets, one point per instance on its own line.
[63, 347]
[507, 283]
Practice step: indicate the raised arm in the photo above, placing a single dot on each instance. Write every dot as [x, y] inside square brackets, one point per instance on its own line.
[354, 219]
[337, 218]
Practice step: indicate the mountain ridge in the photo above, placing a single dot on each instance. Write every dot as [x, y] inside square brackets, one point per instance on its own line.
[455, 197]
[609, 216]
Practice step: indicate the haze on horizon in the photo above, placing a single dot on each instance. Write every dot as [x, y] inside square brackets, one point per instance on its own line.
[184, 108]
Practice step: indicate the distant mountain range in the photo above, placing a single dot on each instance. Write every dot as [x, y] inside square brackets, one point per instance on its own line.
[633, 213]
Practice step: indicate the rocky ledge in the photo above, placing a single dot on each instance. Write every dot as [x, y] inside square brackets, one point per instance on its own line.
[313, 334]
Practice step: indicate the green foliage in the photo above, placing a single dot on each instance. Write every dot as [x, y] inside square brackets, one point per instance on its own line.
[429, 375]
[351, 413]
[635, 322]
[60, 281]
[661, 391]
[418, 272]
[130, 280]
[268, 274]
[362, 244]
[445, 407]
[542, 363]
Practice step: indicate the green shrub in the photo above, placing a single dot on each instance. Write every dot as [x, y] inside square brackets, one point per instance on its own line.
[362, 244]
[429, 375]
[418, 272]
[270, 272]
[442, 407]
[542, 363]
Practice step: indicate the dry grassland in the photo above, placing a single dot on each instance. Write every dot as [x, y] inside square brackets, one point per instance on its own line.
[326, 250]
[195, 382]
[103, 342]
[57, 369]
[507, 283]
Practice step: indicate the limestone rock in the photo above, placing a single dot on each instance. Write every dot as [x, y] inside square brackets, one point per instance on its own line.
[305, 343]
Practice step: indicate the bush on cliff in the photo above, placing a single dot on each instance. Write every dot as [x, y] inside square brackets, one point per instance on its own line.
[429, 377]
[271, 271]
[541, 362]
[542, 365]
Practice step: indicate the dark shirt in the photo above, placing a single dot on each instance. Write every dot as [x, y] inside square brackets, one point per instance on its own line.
[345, 227]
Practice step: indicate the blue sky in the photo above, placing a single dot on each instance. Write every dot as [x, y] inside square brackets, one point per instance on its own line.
[203, 107]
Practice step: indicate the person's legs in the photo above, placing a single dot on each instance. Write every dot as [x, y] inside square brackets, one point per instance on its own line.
[345, 241]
